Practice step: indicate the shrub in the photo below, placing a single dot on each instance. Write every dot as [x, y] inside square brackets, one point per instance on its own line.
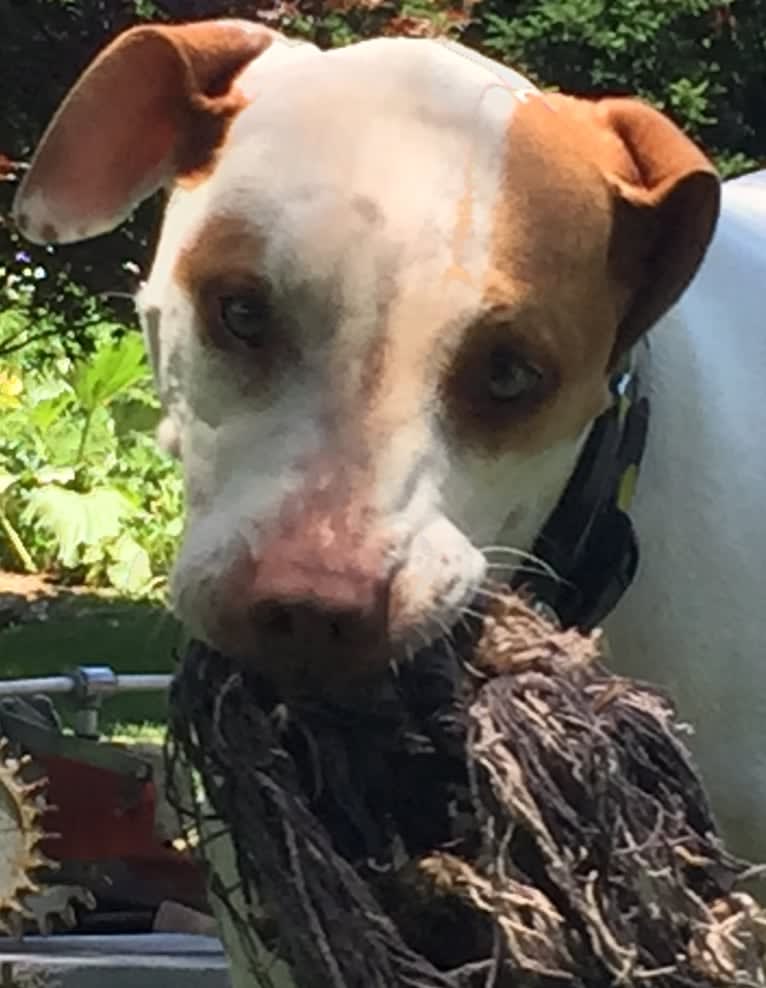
[699, 60]
[83, 490]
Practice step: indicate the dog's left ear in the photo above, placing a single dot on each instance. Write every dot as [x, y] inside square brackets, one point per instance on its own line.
[666, 209]
[151, 108]
[665, 206]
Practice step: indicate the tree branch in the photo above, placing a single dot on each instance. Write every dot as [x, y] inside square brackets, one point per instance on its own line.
[14, 346]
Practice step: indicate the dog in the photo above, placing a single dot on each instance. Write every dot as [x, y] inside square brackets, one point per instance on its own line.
[393, 284]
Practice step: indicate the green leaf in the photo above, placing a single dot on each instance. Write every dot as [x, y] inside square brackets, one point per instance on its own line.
[77, 519]
[135, 415]
[54, 475]
[46, 388]
[112, 369]
[7, 480]
[46, 411]
[130, 571]
[174, 527]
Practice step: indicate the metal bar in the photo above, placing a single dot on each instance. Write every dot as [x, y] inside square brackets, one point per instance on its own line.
[138, 683]
[144, 683]
[43, 684]
[184, 945]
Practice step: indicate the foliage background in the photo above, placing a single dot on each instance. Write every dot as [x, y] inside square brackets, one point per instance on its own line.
[82, 490]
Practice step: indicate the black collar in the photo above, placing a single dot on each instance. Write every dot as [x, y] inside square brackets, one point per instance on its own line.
[589, 541]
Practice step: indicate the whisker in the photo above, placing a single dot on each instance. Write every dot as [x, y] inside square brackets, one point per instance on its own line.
[409, 658]
[510, 550]
[464, 622]
[423, 637]
[472, 669]
[158, 625]
[446, 630]
[450, 648]
[490, 594]
[535, 570]
[472, 613]
[530, 557]
[561, 581]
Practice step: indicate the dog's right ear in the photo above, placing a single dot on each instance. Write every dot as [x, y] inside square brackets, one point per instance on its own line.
[154, 106]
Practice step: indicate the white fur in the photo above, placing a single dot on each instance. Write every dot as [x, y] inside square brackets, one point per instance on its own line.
[295, 170]
[695, 620]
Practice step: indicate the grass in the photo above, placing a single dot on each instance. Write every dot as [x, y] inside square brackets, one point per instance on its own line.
[125, 732]
[92, 629]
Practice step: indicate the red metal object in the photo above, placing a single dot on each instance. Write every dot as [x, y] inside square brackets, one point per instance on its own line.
[105, 832]
[98, 813]
[105, 818]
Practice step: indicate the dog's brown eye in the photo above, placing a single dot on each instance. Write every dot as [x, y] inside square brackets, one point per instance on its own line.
[246, 317]
[510, 376]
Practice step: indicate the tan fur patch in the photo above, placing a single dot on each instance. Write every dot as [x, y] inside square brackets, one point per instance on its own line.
[224, 253]
[221, 262]
[204, 136]
[209, 57]
[604, 215]
[545, 292]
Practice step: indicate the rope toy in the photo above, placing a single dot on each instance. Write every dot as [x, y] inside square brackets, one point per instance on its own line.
[502, 814]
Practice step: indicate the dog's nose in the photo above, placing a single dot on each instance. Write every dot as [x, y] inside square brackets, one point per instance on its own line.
[317, 620]
[303, 628]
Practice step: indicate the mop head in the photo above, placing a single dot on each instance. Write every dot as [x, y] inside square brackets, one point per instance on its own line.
[517, 816]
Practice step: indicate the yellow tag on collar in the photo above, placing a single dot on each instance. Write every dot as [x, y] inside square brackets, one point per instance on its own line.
[627, 487]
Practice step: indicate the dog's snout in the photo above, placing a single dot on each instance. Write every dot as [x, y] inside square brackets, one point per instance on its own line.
[316, 628]
[318, 616]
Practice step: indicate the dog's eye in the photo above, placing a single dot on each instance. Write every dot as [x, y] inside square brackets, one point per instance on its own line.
[510, 376]
[245, 316]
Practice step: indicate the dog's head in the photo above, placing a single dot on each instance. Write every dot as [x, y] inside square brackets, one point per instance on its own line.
[390, 286]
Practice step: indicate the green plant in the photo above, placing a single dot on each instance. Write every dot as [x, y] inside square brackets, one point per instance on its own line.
[82, 488]
[699, 60]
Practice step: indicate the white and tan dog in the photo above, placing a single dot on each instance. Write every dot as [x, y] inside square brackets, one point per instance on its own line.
[390, 287]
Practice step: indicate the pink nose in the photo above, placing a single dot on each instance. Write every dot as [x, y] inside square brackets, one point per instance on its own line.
[318, 618]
